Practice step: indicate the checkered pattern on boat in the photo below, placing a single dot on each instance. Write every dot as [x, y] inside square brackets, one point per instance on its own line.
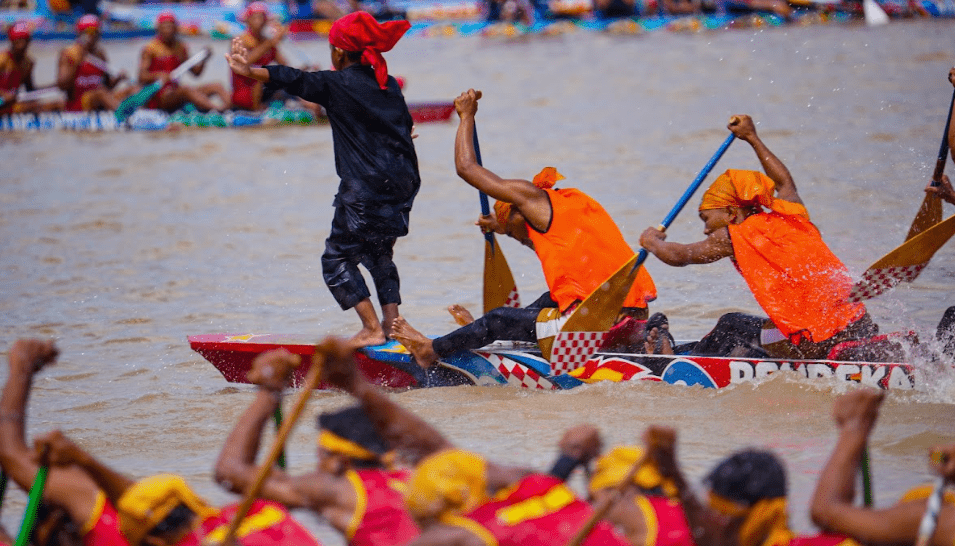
[513, 298]
[518, 375]
[572, 349]
[877, 281]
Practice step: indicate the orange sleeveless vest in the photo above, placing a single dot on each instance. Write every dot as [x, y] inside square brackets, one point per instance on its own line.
[537, 511]
[796, 279]
[381, 518]
[582, 248]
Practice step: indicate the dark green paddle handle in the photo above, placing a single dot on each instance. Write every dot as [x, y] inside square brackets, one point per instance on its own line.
[29, 516]
[866, 479]
[3, 486]
[278, 423]
[943, 149]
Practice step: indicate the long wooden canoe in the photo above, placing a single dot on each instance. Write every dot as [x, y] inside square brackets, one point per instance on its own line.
[520, 365]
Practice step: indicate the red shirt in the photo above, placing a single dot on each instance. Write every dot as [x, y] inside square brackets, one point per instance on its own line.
[88, 77]
[102, 529]
[665, 521]
[266, 524]
[537, 511]
[164, 60]
[381, 518]
[243, 88]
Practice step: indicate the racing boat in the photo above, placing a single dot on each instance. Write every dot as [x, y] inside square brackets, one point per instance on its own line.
[520, 365]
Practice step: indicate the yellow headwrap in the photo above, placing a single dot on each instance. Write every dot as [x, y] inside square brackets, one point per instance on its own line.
[150, 500]
[742, 189]
[543, 180]
[336, 444]
[613, 467]
[766, 523]
[450, 481]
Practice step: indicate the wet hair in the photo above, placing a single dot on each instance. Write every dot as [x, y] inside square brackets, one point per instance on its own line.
[353, 424]
[353, 56]
[748, 477]
[180, 517]
[55, 527]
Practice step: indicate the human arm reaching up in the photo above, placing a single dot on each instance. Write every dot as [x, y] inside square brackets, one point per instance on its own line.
[743, 127]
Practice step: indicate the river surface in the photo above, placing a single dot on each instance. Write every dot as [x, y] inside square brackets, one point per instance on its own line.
[121, 245]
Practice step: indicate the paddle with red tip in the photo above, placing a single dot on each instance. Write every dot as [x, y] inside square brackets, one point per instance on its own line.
[930, 213]
[500, 290]
[905, 263]
[587, 327]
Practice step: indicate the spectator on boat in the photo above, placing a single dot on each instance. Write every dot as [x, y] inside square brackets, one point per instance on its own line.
[16, 70]
[615, 9]
[83, 71]
[353, 486]
[458, 497]
[375, 158]
[746, 499]
[855, 415]
[577, 242]
[509, 11]
[247, 93]
[161, 56]
[73, 510]
[796, 279]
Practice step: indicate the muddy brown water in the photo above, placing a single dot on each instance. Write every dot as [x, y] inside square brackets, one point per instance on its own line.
[121, 245]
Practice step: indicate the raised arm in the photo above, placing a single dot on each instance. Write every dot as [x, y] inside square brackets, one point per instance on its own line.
[68, 487]
[236, 469]
[238, 59]
[403, 430]
[63, 452]
[832, 508]
[743, 127]
[529, 199]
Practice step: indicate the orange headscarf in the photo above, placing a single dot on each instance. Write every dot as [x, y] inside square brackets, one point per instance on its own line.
[543, 180]
[736, 188]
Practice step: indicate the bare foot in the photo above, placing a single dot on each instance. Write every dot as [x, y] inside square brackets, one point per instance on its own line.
[368, 336]
[657, 343]
[461, 315]
[416, 342]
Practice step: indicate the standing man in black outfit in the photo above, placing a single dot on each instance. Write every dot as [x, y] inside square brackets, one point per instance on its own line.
[374, 157]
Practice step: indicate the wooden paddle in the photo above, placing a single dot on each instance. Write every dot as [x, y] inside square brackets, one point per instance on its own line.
[36, 494]
[135, 102]
[500, 290]
[44, 94]
[905, 263]
[933, 505]
[614, 496]
[311, 382]
[587, 327]
[930, 213]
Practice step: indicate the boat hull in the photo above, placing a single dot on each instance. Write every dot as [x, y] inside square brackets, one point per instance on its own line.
[520, 365]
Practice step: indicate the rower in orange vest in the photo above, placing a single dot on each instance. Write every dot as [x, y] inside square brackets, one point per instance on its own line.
[576, 240]
[795, 278]
[353, 486]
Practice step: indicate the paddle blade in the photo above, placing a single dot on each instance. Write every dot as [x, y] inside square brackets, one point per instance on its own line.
[500, 290]
[929, 214]
[136, 101]
[587, 327]
[904, 263]
[874, 14]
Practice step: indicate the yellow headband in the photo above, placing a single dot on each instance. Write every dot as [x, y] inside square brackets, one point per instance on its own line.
[613, 467]
[766, 523]
[147, 502]
[336, 444]
[451, 481]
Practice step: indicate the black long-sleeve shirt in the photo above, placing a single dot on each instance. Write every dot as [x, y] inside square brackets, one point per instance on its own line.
[374, 154]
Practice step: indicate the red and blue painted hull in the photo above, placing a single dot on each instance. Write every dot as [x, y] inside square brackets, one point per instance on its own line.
[521, 365]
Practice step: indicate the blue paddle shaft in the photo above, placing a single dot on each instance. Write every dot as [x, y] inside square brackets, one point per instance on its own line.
[485, 206]
[695, 185]
[943, 149]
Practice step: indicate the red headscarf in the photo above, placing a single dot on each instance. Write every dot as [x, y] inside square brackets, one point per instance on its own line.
[18, 30]
[359, 31]
[166, 17]
[255, 7]
[88, 21]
